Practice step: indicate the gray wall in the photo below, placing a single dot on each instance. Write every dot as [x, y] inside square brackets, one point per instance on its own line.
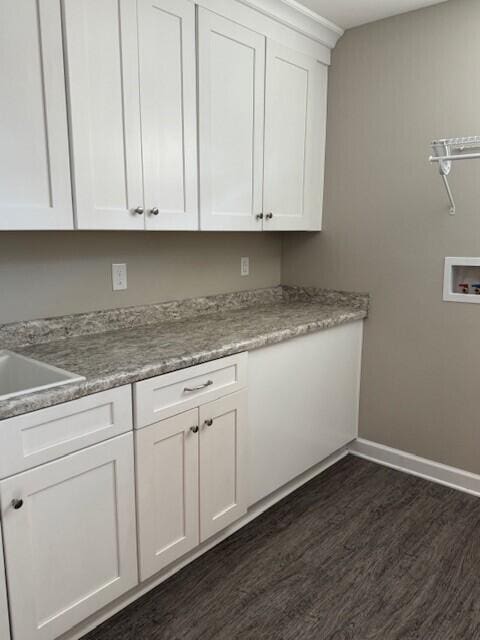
[394, 86]
[46, 274]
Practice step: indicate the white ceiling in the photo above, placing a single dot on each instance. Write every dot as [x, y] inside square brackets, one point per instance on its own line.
[351, 13]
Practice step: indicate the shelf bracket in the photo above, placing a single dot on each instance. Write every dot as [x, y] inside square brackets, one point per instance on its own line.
[444, 168]
[453, 208]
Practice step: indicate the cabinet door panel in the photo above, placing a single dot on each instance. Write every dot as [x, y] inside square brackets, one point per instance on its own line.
[168, 107]
[167, 491]
[222, 463]
[35, 190]
[231, 105]
[102, 61]
[318, 413]
[71, 548]
[295, 118]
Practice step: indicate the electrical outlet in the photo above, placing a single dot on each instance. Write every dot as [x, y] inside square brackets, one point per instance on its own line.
[119, 277]
[244, 266]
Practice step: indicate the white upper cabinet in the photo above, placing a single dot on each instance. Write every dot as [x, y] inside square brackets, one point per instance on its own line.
[169, 115]
[183, 115]
[231, 110]
[102, 60]
[35, 190]
[295, 119]
[132, 88]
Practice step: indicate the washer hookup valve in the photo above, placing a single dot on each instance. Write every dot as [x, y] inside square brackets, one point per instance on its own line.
[464, 286]
[476, 289]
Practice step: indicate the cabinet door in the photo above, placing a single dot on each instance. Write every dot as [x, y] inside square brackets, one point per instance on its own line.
[102, 61]
[35, 190]
[71, 548]
[231, 113]
[223, 439]
[4, 623]
[167, 490]
[169, 115]
[295, 120]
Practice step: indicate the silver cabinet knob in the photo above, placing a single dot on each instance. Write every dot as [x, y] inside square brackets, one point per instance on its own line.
[194, 429]
[154, 211]
[209, 422]
[269, 216]
[17, 503]
[259, 216]
[139, 210]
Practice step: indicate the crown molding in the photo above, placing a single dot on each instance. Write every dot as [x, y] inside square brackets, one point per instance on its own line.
[313, 15]
[298, 17]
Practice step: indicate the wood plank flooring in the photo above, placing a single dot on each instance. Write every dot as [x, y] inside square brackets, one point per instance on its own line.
[360, 553]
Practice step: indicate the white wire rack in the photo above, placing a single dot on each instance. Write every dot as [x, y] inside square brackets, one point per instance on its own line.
[449, 150]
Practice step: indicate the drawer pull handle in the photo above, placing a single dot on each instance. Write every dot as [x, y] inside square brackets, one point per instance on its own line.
[17, 503]
[209, 422]
[208, 383]
[194, 429]
[139, 211]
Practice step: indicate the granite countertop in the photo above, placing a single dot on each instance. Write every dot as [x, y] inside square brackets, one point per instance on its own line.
[148, 341]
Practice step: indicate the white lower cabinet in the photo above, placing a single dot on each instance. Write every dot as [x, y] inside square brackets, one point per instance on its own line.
[70, 525]
[4, 623]
[191, 479]
[302, 404]
[69, 538]
[167, 490]
[223, 440]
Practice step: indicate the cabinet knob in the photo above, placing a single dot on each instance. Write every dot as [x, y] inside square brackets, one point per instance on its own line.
[259, 216]
[194, 429]
[139, 210]
[269, 216]
[154, 211]
[17, 503]
[209, 422]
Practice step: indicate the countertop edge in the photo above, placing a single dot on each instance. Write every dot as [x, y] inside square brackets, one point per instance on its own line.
[60, 395]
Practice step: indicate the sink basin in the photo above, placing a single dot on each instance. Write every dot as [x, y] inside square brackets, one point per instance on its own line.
[20, 375]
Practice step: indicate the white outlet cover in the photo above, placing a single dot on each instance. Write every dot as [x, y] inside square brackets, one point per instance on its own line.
[245, 266]
[119, 277]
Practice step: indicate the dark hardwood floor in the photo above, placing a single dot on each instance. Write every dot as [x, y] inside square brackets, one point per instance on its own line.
[360, 553]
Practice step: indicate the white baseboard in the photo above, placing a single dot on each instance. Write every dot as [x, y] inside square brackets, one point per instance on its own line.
[409, 463]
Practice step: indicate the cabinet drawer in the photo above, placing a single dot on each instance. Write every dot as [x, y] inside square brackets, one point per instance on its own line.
[41, 436]
[167, 395]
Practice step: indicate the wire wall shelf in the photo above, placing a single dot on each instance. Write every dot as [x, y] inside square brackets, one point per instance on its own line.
[449, 150]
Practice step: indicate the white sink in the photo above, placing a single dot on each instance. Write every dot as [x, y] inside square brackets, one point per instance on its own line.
[20, 375]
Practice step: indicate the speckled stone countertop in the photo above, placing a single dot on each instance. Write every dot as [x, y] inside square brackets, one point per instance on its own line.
[116, 347]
